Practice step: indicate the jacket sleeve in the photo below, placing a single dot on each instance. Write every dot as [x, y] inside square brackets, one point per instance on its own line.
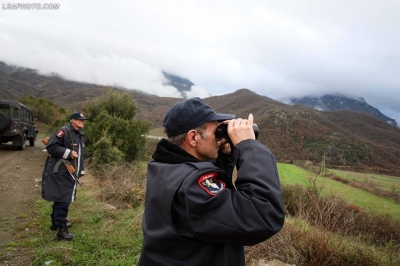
[58, 143]
[247, 215]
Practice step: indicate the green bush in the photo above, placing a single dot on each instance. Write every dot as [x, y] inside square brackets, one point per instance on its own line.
[112, 118]
[104, 152]
[44, 110]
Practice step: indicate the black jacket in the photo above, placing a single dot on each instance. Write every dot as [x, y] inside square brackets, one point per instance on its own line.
[194, 215]
[61, 186]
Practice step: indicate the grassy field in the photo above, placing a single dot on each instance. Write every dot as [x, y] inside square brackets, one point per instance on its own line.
[158, 132]
[291, 174]
[385, 182]
[109, 236]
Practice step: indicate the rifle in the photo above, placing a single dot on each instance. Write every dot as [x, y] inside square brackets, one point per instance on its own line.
[70, 168]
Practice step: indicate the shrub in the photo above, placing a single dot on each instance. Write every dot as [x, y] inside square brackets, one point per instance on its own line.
[301, 244]
[334, 214]
[46, 111]
[112, 115]
[378, 230]
[322, 212]
[105, 153]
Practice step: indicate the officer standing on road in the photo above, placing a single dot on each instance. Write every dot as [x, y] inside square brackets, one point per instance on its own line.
[66, 148]
[194, 214]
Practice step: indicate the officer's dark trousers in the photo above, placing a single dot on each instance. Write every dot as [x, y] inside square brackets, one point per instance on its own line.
[59, 213]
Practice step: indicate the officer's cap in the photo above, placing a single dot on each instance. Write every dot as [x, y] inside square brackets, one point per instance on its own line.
[78, 116]
[190, 114]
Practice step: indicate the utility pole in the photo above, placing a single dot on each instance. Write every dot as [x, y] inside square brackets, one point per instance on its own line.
[322, 170]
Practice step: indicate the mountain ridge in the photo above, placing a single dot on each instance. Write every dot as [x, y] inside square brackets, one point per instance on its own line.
[181, 84]
[349, 139]
[335, 102]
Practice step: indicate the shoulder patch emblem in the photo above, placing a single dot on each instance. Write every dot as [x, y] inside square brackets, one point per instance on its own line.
[60, 133]
[210, 184]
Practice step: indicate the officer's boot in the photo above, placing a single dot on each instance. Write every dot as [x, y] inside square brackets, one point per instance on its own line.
[54, 227]
[64, 234]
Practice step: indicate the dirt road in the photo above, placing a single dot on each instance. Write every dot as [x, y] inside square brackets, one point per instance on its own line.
[20, 175]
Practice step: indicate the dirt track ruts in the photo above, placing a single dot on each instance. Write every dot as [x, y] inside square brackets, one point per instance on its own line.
[20, 175]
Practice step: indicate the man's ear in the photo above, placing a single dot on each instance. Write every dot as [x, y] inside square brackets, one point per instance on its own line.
[192, 137]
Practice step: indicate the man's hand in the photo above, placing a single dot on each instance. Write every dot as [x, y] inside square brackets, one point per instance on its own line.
[224, 146]
[241, 129]
[74, 155]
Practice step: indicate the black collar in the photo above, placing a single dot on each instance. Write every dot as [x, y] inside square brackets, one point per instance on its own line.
[166, 152]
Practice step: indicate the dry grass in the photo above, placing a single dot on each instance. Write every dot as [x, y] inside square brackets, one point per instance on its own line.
[318, 230]
[123, 185]
[301, 244]
[334, 214]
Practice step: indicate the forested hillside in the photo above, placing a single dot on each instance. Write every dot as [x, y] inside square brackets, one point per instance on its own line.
[348, 139]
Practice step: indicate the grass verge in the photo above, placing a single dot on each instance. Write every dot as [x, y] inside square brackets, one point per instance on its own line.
[104, 235]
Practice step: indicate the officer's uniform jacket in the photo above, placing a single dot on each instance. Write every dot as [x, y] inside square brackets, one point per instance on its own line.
[194, 215]
[61, 186]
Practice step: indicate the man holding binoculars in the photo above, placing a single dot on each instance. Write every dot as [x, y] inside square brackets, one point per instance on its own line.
[194, 214]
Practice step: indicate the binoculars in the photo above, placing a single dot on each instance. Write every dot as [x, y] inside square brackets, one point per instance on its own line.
[222, 131]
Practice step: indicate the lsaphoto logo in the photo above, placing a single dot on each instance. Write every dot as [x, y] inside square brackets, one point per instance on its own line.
[30, 6]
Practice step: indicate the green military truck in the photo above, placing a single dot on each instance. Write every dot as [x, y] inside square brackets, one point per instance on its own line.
[17, 124]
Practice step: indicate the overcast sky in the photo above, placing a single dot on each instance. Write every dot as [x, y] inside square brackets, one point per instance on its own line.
[276, 48]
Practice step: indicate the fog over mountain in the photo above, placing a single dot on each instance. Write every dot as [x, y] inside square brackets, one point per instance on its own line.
[186, 89]
[348, 139]
[328, 102]
[276, 48]
[335, 102]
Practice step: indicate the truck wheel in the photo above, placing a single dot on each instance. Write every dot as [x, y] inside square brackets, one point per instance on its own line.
[4, 121]
[23, 140]
[32, 141]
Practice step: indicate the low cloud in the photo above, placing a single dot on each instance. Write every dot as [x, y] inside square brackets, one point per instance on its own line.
[277, 49]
